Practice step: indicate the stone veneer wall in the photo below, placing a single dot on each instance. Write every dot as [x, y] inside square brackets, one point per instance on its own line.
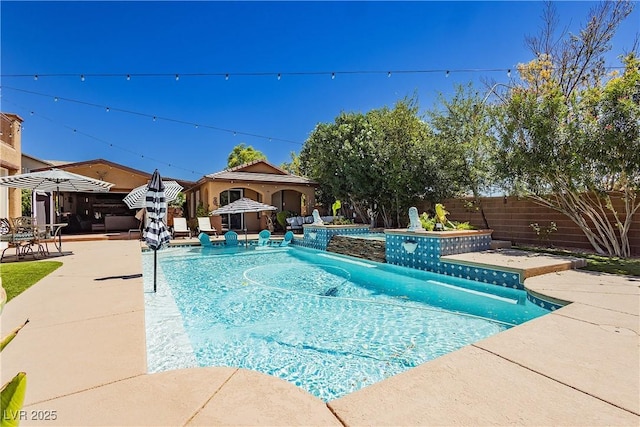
[373, 250]
[318, 236]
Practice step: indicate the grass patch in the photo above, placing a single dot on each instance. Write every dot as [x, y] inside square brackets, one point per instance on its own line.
[19, 276]
[599, 263]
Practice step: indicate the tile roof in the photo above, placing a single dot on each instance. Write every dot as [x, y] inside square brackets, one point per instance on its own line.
[260, 177]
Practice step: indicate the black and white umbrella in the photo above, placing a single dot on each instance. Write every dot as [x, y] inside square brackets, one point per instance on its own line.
[55, 180]
[156, 234]
[241, 206]
[136, 199]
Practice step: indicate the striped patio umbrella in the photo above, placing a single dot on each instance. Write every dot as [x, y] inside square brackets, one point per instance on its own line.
[156, 234]
[55, 180]
[137, 198]
[241, 206]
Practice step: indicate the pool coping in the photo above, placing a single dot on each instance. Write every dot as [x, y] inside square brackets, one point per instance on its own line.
[84, 347]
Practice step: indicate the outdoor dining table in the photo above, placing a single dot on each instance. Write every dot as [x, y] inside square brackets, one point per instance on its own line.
[56, 232]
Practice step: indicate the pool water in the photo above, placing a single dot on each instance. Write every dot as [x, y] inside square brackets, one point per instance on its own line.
[327, 323]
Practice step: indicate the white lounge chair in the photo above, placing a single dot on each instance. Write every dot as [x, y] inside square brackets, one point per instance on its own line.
[204, 226]
[180, 227]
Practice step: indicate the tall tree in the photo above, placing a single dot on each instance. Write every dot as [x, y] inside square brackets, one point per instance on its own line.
[242, 154]
[381, 162]
[293, 167]
[568, 140]
[463, 128]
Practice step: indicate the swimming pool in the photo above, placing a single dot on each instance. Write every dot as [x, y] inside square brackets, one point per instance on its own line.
[327, 323]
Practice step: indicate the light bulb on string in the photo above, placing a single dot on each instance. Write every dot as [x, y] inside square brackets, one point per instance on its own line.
[154, 118]
[389, 74]
[226, 76]
[108, 109]
[447, 74]
[196, 126]
[81, 77]
[234, 134]
[333, 76]
[55, 99]
[279, 76]
[35, 77]
[509, 73]
[128, 77]
[177, 77]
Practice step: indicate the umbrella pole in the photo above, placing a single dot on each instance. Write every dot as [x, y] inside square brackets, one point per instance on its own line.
[244, 224]
[155, 268]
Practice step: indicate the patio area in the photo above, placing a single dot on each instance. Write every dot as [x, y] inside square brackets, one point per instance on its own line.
[85, 358]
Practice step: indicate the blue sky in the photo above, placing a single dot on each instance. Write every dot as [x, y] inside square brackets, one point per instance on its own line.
[171, 38]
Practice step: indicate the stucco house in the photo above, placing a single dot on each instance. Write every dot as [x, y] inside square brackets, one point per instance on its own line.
[258, 180]
[101, 211]
[10, 163]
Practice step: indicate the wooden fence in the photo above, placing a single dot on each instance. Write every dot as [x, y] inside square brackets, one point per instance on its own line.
[511, 219]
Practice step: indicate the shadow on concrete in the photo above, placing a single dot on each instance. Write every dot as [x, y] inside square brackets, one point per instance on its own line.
[123, 277]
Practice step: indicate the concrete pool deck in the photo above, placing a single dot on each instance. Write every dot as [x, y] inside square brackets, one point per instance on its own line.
[85, 357]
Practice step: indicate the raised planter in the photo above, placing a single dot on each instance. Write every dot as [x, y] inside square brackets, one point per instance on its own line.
[416, 248]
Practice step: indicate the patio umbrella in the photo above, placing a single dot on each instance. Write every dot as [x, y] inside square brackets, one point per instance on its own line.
[136, 199]
[156, 234]
[55, 180]
[241, 206]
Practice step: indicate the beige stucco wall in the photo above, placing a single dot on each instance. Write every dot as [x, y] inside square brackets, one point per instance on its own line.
[10, 160]
[123, 179]
[210, 196]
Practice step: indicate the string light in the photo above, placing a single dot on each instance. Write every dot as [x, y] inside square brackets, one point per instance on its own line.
[154, 118]
[509, 73]
[447, 74]
[279, 76]
[387, 72]
[108, 109]
[112, 145]
[55, 99]
[333, 76]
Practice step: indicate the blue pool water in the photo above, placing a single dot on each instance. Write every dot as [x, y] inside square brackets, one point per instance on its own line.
[327, 323]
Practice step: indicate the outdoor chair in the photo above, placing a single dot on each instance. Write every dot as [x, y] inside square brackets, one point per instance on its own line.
[205, 241]
[288, 237]
[263, 238]
[231, 238]
[180, 227]
[20, 233]
[204, 226]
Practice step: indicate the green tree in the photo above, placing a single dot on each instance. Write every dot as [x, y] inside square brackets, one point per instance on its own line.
[26, 203]
[572, 144]
[463, 128]
[381, 162]
[242, 154]
[293, 167]
[407, 160]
